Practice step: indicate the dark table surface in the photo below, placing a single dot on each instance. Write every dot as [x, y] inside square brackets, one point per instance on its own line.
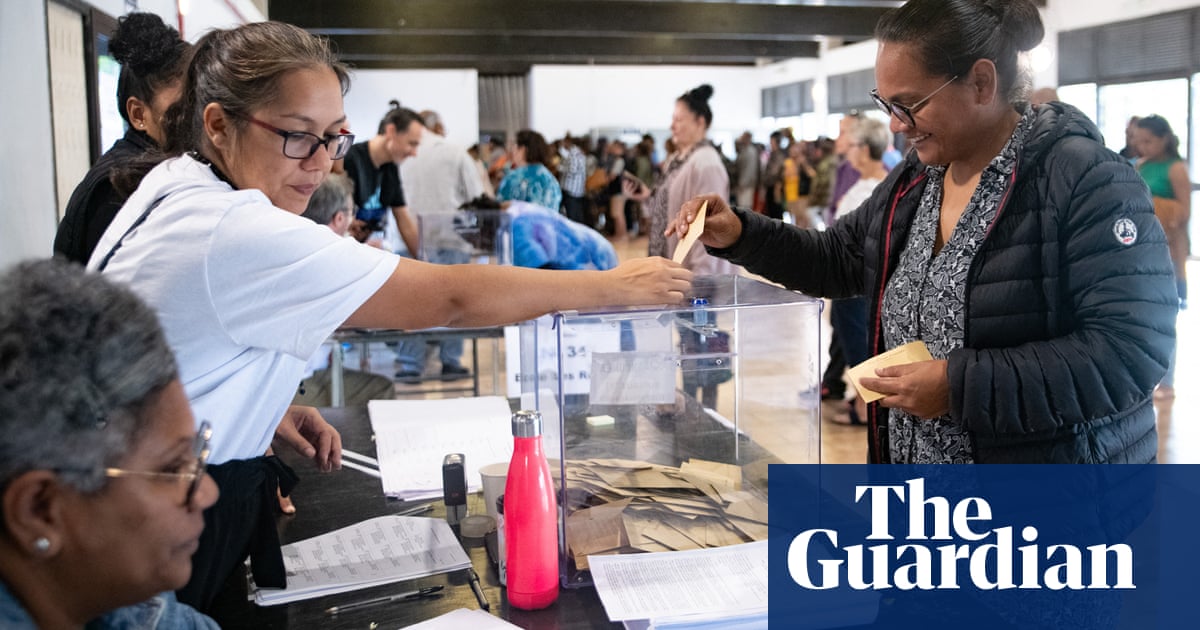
[325, 502]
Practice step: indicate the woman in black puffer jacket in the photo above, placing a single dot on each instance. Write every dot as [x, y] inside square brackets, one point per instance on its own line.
[1024, 254]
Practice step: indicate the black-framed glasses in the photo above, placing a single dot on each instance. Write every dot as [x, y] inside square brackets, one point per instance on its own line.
[904, 113]
[301, 145]
[191, 477]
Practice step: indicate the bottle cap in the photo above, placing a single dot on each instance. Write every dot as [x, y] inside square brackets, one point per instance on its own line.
[699, 301]
[526, 423]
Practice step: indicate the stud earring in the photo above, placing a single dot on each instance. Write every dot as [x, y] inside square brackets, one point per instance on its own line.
[42, 544]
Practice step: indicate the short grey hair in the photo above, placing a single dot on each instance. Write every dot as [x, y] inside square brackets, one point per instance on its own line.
[872, 134]
[79, 358]
[330, 198]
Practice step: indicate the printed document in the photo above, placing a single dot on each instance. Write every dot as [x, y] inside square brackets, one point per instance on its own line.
[376, 551]
[704, 584]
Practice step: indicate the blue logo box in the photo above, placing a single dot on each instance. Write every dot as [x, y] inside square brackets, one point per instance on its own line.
[984, 547]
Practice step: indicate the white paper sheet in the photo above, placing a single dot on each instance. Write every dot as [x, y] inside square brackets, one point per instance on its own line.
[464, 618]
[413, 436]
[717, 583]
[376, 551]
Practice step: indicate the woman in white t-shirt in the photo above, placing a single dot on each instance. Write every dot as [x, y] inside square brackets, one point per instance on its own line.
[247, 290]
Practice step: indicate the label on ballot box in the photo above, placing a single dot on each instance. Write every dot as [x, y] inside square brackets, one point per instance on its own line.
[633, 378]
[579, 343]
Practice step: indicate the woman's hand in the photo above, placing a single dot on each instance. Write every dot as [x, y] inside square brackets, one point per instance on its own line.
[634, 190]
[651, 280]
[309, 434]
[921, 388]
[722, 227]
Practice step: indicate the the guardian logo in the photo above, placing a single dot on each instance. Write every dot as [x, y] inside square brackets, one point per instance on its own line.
[973, 554]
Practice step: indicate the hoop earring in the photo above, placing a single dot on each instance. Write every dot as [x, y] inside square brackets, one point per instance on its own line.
[41, 544]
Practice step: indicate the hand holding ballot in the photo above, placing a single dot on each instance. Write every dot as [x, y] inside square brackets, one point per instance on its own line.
[906, 377]
[720, 227]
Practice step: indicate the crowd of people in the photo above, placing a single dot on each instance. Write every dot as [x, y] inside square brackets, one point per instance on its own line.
[1031, 261]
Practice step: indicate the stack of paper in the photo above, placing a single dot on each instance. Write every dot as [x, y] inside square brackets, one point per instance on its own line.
[704, 588]
[413, 436]
[377, 551]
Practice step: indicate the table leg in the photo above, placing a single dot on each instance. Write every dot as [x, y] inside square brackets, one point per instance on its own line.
[337, 389]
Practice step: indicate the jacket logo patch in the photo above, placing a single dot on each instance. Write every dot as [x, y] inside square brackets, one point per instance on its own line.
[1125, 230]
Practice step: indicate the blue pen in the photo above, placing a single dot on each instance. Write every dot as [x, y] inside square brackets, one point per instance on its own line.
[428, 591]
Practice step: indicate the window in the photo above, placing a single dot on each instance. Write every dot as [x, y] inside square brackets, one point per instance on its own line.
[1167, 98]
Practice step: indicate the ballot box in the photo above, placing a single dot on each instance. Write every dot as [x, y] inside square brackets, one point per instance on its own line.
[465, 236]
[661, 421]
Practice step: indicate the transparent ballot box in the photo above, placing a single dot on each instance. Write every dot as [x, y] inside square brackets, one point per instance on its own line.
[662, 421]
[465, 236]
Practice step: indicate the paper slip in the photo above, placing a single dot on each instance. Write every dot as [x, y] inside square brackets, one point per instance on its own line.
[464, 618]
[695, 229]
[376, 551]
[900, 355]
[658, 585]
[413, 436]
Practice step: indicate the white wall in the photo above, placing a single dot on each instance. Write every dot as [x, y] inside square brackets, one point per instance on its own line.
[577, 98]
[452, 93]
[27, 215]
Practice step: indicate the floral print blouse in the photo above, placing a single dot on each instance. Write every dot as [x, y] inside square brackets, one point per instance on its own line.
[926, 297]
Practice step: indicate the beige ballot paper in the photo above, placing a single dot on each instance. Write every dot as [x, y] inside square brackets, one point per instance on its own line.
[695, 229]
[900, 355]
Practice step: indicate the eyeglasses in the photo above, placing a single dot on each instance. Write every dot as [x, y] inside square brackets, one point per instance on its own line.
[905, 113]
[301, 145]
[192, 477]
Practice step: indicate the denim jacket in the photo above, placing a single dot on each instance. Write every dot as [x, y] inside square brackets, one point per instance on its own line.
[161, 612]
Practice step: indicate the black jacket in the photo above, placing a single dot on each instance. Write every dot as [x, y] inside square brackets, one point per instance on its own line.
[1068, 330]
[95, 202]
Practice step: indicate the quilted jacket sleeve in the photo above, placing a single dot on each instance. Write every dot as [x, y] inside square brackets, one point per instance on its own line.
[1110, 310]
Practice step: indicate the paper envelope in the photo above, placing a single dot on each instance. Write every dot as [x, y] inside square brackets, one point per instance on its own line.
[900, 355]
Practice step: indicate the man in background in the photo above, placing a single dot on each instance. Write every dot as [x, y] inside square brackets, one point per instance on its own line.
[438, 180]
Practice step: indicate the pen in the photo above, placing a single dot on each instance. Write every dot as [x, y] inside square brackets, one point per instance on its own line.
[416, 509]
[370, 461]
[429, 591]
[360, 468]
[483, 602]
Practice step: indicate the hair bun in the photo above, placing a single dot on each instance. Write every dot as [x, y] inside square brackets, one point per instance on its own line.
[144, 43]
[1020, 21]
[702, 93]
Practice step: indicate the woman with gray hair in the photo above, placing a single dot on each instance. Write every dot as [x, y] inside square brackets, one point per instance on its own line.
[101, 466]
[868, 140]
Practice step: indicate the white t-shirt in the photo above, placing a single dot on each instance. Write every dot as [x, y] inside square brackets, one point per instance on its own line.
[245, 291]
[857, 195]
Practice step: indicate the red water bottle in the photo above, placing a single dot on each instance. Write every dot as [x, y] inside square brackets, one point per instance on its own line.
[530, 518]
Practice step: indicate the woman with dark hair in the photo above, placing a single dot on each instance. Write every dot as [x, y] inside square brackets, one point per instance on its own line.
[530, 179]
[101, 466]
[1018, 249]
[247, 289]
[693, 168]
[1166, 173]
[153, 59]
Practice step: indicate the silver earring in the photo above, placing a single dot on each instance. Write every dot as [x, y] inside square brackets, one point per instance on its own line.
[42, 544]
